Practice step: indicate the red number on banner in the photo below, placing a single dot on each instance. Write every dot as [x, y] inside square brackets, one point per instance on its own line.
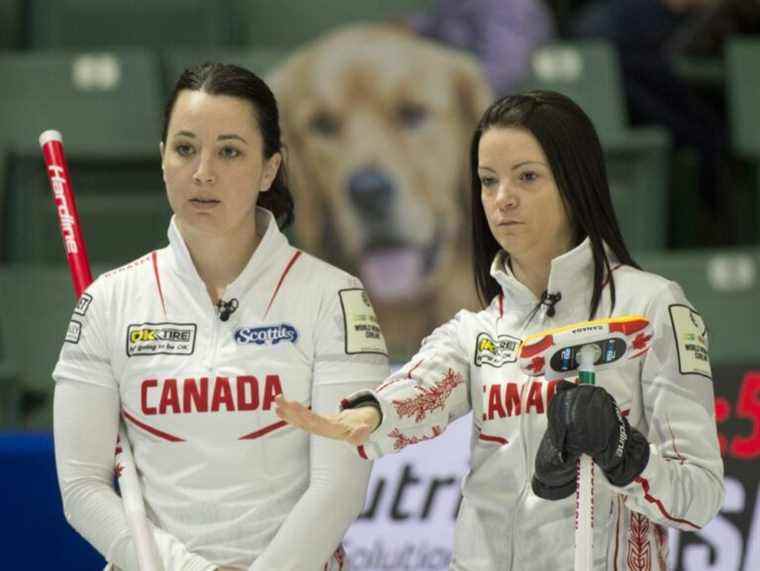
[748, 406]
[722, 413]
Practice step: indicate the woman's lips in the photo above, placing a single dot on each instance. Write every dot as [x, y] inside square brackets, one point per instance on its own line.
[204, 203]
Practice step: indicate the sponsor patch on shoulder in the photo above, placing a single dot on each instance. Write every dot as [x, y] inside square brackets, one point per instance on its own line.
[161, 339]
[691, 340]
[363, 334]
[73, 332]
[266, 334]
[83, 304]
[495, 352]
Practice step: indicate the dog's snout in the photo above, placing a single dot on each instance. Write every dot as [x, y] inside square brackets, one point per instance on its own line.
[371, 192]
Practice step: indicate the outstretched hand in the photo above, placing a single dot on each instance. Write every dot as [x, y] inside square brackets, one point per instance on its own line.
[351, 425]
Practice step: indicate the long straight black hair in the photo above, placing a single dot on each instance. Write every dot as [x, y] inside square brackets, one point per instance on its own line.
[576, 159]
[234, 81]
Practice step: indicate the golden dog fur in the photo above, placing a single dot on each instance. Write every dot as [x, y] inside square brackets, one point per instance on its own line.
[377, 124]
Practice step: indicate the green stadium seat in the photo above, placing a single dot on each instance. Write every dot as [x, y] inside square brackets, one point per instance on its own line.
[108, 107]
[88, 24]
[38, 303]
[105, 104]
[637, 158]
[743, 86]
[11, 24]
[723, 286]
[9, 389]
[258, 60]
[290, 24]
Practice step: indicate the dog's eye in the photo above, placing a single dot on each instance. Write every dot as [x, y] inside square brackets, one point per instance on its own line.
[412, 115]
[325, 124]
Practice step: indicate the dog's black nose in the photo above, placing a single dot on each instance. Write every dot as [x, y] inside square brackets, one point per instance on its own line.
[371, 192]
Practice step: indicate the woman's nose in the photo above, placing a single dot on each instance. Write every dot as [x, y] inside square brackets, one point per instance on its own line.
[505, 198]
[204, 174]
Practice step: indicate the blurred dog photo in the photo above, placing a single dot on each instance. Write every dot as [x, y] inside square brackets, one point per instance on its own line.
[377, 124]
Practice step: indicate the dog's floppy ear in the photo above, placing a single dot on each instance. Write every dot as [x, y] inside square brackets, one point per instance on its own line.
[288, 81]
[474, 95]
[472, 88]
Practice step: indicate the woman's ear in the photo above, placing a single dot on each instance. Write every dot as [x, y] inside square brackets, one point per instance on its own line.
[271, 168]
[161, 149]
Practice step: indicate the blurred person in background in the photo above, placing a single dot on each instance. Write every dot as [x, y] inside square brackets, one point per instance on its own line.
[192, 342]
[548, 253]
[501, 34]
[643, 32]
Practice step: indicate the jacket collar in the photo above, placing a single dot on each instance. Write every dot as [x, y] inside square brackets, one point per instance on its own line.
[571, 275]
[272, 241]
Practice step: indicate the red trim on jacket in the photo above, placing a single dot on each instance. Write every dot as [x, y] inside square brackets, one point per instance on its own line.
[497, 439]
[150, 429]
[282, 279]
[154, 260]
[644, 483]
[263, 431]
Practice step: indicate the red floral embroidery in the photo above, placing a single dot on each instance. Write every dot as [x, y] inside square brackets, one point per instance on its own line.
[428, 399]
[661, 536]
[641, 341]
[639, 556]
[537, 365]
[402, 441]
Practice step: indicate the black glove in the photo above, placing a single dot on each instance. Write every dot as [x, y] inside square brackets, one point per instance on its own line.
[585, 419]
[554, 477]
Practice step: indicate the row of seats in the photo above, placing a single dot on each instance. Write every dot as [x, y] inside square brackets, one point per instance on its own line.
[722, 284]
[109, 104]
[92, 24]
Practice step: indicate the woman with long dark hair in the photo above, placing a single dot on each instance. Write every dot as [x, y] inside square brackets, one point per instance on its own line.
[191, 343]
[547, 253]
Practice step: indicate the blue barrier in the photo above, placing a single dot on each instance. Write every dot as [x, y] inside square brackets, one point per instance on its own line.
[34, 531]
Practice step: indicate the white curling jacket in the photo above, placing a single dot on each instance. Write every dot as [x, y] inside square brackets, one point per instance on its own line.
[225, 482]
[470, 364]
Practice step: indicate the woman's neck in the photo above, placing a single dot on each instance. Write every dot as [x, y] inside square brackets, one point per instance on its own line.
[220, 259]
[533, 268]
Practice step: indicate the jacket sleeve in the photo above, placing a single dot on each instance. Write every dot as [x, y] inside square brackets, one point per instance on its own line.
[419, 400]
[682, 484]
[85, 418]
[350, 355]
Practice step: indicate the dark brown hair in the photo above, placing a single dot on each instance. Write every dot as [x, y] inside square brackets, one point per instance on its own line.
[576, 159]
[234, 81]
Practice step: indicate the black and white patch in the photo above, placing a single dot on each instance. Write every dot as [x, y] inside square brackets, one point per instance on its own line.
[363, 334]
[692, 341]
[73, 332]
[83, 304]
[495, 352]
[145, 339]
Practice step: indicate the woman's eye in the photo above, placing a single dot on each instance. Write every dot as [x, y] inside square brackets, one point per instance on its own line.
[487, 181]
[229, 152]
[528, 176]
[183, 150]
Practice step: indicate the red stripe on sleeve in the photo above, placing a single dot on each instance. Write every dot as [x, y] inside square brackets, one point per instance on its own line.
[644, 483]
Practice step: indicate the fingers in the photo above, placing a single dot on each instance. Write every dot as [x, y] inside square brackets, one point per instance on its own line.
[345, 426]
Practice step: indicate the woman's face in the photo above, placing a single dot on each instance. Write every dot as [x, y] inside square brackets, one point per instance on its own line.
[213, 162]
[523, 206]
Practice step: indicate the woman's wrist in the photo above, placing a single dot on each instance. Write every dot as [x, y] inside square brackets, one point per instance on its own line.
[367, 400]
